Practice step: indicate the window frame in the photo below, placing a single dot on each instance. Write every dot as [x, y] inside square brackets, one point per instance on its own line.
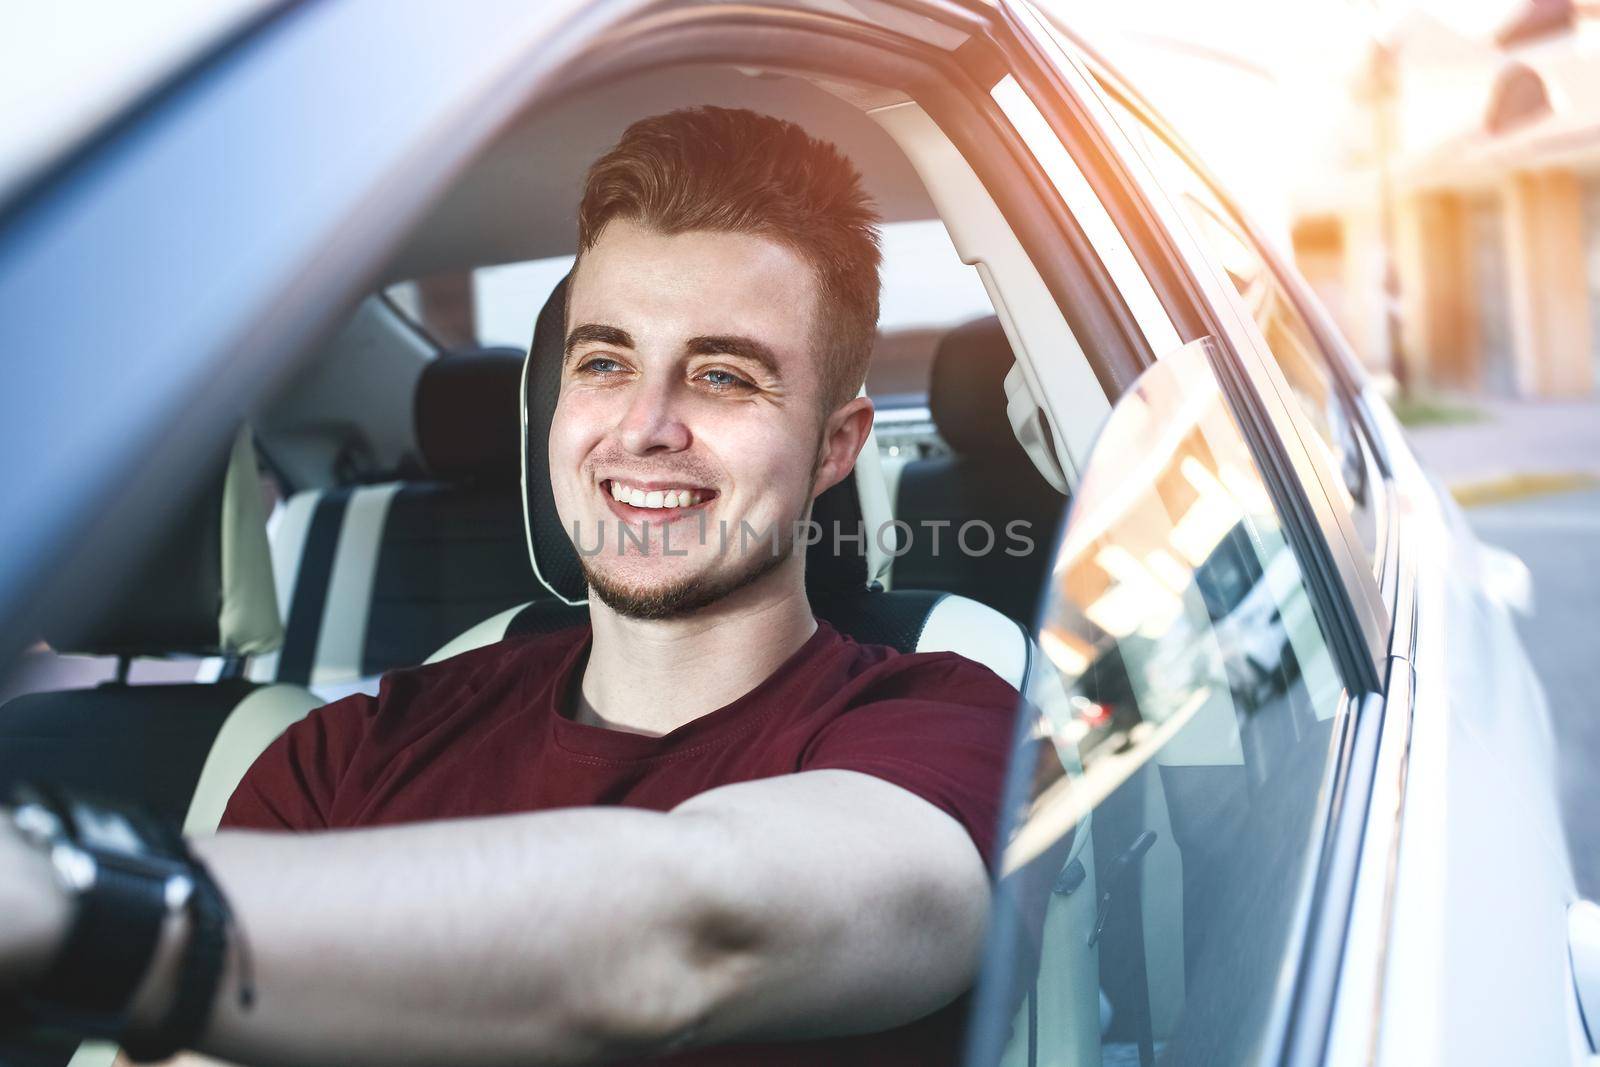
[1340, 575]
[1202, 303]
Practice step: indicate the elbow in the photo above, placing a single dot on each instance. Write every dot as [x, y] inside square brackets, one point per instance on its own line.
[670, 985]
[665, 1001]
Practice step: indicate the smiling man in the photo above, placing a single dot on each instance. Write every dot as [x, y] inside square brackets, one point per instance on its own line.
[704, 828]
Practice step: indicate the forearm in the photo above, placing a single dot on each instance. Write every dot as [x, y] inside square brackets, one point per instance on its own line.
[560, 937]
[805, 905]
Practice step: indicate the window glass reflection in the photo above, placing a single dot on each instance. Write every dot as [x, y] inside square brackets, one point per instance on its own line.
[1164, 833]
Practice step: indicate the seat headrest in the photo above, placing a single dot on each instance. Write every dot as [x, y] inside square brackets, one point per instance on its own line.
[466, 416]
[967, 396]
[206, 587]
[555, 561]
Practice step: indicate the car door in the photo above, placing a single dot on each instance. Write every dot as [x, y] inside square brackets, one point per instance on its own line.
[1209, 721]
[1180, 827]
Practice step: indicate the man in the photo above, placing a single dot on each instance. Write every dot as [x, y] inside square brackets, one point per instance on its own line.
[704, 828]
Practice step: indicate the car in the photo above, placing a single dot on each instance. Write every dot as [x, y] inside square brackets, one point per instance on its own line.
[1283, 781]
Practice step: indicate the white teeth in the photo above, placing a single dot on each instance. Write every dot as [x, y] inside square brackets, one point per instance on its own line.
[655, 498]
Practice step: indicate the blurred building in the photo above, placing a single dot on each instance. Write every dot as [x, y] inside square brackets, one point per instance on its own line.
[1477, 160]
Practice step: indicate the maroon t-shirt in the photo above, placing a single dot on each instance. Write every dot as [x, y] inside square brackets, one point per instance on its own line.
[485, 733]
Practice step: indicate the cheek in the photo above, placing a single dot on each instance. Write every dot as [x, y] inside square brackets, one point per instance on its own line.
[574, 431]
[771, 460]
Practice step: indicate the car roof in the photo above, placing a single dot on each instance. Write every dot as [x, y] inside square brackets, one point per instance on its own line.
[519, 200]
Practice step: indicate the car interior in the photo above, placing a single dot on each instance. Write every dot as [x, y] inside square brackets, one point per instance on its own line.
[387, 506]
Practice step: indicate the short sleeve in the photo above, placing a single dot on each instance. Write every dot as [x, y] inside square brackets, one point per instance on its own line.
[292, 783]
[940, 727]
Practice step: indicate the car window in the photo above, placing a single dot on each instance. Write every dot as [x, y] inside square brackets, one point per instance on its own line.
[1163, 817]
[1289, 336]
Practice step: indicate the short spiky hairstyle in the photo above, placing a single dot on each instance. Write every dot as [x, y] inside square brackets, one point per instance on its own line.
[735, 171]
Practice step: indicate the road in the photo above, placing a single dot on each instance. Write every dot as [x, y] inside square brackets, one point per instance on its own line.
[1558, 537]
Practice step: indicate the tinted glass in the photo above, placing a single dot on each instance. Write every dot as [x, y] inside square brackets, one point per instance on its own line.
[1166, 802]
[1288, 335]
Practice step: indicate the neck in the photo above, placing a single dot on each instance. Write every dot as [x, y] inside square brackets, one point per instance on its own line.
[652, 676]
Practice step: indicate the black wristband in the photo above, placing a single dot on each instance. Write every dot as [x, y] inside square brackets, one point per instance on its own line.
[110, 943]
[198, 977]
[128, 874]
[121, 898]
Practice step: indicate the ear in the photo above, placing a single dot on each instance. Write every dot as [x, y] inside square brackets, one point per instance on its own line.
[843, 434]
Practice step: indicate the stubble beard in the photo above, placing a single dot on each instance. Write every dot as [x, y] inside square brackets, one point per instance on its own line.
[686, 595]
[695, 592]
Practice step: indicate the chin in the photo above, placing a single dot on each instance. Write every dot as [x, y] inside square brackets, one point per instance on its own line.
[657, 597]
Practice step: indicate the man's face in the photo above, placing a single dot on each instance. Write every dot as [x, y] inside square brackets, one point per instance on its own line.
[691, 402]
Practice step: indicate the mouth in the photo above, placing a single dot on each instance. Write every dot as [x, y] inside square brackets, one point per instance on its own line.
[659, 502]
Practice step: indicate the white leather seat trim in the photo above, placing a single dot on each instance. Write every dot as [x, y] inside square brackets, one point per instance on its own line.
[349, 601]
[94, 1054]
[250, 727]
[979, 633]
[287, 527]
[248, 620]
[486, 632]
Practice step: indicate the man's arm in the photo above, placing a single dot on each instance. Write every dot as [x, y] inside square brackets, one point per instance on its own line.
[827, 902]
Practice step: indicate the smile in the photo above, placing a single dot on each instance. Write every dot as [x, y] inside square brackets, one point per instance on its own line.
[630, 499]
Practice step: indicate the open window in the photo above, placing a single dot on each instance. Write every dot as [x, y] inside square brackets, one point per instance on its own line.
[1165, 820]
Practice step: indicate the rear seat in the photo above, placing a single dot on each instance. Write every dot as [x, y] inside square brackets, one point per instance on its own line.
[376, 577]
[988, 477]
[175, 749]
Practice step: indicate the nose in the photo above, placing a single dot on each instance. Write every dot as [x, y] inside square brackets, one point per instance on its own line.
[652, 422]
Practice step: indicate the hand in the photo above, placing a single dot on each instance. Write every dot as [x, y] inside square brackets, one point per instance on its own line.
[35, 911]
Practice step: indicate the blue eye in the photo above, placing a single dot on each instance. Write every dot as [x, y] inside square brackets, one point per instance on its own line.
[601, 365]
[723, 380]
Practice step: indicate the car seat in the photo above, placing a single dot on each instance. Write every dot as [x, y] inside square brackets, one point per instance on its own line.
[207, 592]
[987, 478]
[375, 577]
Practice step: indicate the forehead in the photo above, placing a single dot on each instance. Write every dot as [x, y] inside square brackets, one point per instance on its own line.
[664, 289]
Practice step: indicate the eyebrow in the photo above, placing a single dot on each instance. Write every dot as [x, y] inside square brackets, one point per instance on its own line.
[594, 333]
[739, 347]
